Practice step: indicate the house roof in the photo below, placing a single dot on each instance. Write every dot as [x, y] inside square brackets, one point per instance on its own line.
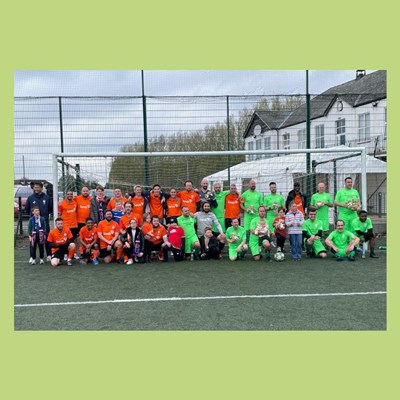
[357, 92]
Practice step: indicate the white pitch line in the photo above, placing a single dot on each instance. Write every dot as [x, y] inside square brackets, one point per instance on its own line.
[159, 299]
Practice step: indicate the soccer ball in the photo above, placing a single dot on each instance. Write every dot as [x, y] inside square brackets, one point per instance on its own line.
[279, 256]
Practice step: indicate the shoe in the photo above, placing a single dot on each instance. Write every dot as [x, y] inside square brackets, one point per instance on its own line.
[31, 260]
[352, 258]
[48, 258]
[278, 250]
[41, 261]
[339, 258]
[120, 261]
[130, 261]
[69, 262]
[95, 261]
[76, 256]
[360, 249]
[373, 255]
[82, 262]
[65, 257]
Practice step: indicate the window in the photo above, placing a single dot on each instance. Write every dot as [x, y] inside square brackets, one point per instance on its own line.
[267, 146]
[301, 139]
[250, 146]
[364, 126]
[286, 141]
[319, 137]
[340, 131]
[258, 147]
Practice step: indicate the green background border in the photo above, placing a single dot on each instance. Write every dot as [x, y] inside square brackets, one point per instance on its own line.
[206, 35]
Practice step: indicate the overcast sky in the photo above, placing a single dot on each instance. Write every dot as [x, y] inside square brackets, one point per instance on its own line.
[175, 83]
[37, 126]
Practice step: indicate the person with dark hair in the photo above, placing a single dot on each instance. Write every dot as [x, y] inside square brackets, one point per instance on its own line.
[362, 226]
[232, 206]
[98, 205]
[174, 206]
[108, 232]
[312, 233]
[176, 241]
[45, 204]
[192, 244]
[133, 243]
[88, 240]
[61, 242]
[342, 242]
[280, 229]
[157, 200]
[298, 197]
[272, 202]
[189, 197]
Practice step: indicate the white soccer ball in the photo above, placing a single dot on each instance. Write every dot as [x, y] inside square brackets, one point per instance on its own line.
[279, 256]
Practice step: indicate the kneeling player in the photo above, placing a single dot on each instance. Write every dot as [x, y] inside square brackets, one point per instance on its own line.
[236, 239]
[260, 236]
[363, 228]
[61, 242]
[108, 232]
[210, 246]
[342, 243]
[312, 233]
[133, 243]
[88, 242]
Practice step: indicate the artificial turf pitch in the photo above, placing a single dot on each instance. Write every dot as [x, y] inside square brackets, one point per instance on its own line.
[311, 294]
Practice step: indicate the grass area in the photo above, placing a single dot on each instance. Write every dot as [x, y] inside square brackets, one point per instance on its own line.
[84, 283]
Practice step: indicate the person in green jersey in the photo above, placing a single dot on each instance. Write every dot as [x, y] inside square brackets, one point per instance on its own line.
[219, 209]
[322, 201]
[260, 235]
[362, 226]
[272, 202]
[236, 239]
[348, 201]
[312, 233]
[342, 243]
[186, 221]
[249, 202]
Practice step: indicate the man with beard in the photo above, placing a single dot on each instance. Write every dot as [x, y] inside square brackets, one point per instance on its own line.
[156, 241]
[67, 211]
[108, 232]
[189, 197]
[219, 209]
[61, 242]
[272, 202]
[83, 209]
[206, 194]
[138, 200]
[186, 221]
[124, 221]
[249, 202]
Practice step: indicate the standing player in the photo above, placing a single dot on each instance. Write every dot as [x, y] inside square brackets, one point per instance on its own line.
[174, 205]
[206, 194]
[219, 208]
[138, 200]
[249, 202]
[272, 202]
[88, 239]
[348, 201]
[124, 221]
[189, 197]
[322, 201]
[98, 205]
[61, 242]
[108, 232]
[67, 211]
[186, 221]
[298, 197]
[157, 202]
[232, 206]
[342, 243]
[116, 205]
[312, 233]
[83, 207]
[236, 239]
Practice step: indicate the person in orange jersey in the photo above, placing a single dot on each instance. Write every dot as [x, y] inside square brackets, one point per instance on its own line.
[174, 204]
[190, 198]
[61, 242]
[108, 232]
[83, 209]
[88, 240]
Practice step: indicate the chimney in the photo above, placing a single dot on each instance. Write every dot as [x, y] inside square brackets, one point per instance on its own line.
[360, 73]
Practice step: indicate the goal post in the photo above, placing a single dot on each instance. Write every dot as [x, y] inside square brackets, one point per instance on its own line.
[124, 170]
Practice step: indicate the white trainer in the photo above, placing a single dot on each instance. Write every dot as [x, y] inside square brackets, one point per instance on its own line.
[41, 261]
[48, 258]
[30, 260]
[130, 261]
[76, 257]
[33, 262]
[65, 257]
